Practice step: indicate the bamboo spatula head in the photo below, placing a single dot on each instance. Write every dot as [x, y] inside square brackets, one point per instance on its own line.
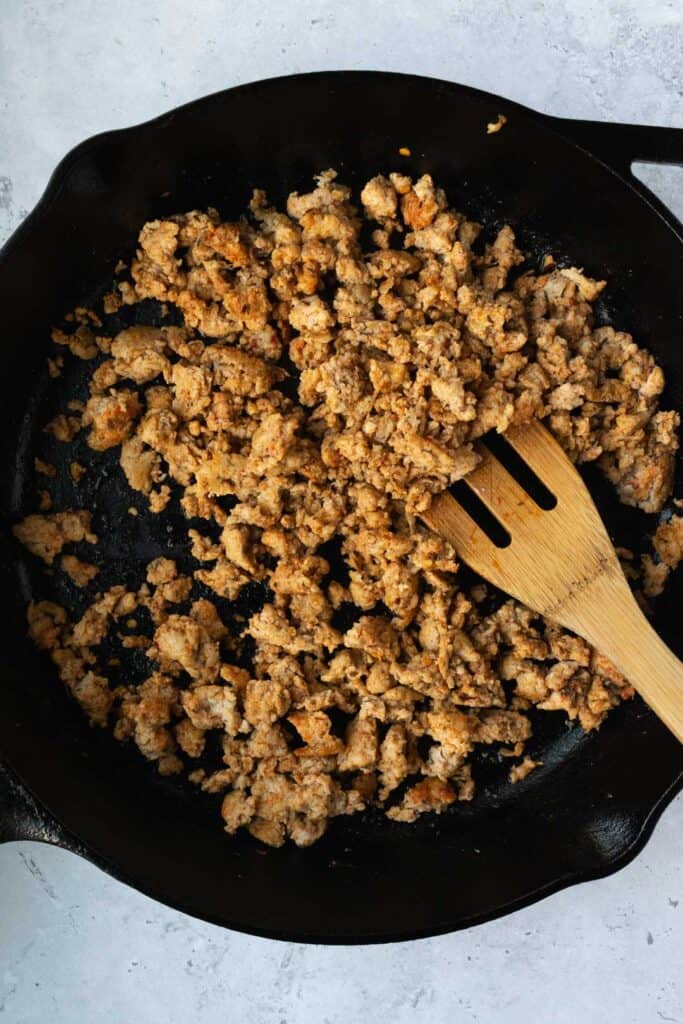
[560, 562]
[553, 554]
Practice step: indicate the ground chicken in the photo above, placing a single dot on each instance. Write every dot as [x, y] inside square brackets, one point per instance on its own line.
[322, 387]
[111, 418]
[46, 535]
[181, 640]
[80, 572]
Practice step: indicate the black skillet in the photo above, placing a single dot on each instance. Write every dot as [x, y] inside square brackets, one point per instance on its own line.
[567, 187]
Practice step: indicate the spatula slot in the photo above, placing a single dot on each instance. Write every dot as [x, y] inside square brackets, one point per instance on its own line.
[480, 514]
[520, 470]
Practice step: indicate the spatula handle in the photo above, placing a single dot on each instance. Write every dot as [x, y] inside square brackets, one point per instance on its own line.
[611, 620]
[657, 675]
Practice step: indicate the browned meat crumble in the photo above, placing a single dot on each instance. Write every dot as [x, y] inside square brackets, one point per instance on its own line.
[407, 352]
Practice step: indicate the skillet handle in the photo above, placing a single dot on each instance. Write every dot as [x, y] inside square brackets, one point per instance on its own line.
[22, 818]
[619, 145]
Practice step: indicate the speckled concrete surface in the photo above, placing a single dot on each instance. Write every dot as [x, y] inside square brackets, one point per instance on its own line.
[77, 947]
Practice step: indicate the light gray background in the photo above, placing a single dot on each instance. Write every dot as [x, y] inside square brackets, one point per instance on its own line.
[77, 947]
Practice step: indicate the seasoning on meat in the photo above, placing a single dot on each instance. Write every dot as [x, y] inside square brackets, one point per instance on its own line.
[327, 390]
[46, 535]
[80, 572]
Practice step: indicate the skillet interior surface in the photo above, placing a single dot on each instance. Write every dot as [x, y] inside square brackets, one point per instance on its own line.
[588, 808]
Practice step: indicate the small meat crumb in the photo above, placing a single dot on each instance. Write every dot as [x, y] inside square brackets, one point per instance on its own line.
[668, 547]
[44, 468]
[81, 573]
[111, 302]
[55, 366]
[495, 126]
[64, 428]
[46, 535]
[111, 418]
[524, 768]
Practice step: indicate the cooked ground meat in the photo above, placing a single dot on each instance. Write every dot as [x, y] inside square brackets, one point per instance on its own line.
[405, 353]
[46, 535]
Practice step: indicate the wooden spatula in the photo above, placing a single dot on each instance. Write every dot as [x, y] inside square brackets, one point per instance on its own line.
[562, 564]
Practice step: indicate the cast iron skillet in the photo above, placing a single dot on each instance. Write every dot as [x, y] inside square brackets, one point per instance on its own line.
[566, 186]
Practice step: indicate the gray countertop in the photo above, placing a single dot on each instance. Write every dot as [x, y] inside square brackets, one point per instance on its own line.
[77, 947]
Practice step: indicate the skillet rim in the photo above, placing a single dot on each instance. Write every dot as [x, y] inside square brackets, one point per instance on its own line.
[41, 827]
[49, 830]
[559, 125]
